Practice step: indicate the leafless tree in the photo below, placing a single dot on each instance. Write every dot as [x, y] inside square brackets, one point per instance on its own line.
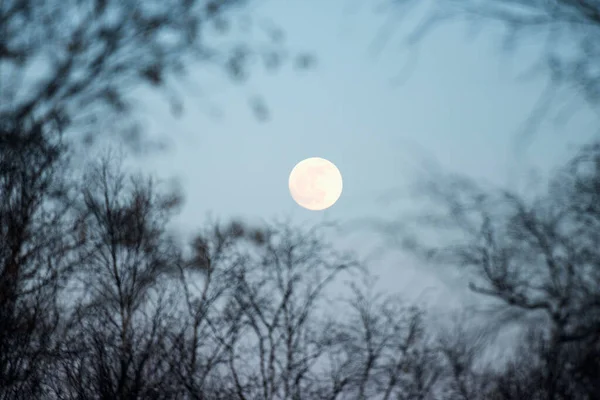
[260, 323]
[536, 259]
[102, 303]
[76, 62]
[198, 345]
[123, 311]
[466, 373]
[279, 296]
[386, 351]
[36, 254]
[119, 303]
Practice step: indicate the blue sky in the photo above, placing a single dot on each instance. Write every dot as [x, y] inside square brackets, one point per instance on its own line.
[461, 105]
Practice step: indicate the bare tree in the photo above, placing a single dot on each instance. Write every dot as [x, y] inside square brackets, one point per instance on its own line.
[537, 259]
[101, 303]
[199, 344]
[259, 322]
[119, 302]
[466, 375]
[36, 255]
[76, 62]
[280, 295]
[387, 352]
[122, 311]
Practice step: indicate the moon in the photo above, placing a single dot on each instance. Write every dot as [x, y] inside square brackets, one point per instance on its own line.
[315, 183]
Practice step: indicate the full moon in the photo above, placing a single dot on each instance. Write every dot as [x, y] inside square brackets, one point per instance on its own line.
[315, 183]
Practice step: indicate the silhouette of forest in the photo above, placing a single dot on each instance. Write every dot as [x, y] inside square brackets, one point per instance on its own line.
[99, 300]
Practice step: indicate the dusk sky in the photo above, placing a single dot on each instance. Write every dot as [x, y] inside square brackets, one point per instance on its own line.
[461, 105]
[299, 199]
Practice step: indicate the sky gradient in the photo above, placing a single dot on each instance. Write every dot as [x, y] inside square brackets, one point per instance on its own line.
[461, 105]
